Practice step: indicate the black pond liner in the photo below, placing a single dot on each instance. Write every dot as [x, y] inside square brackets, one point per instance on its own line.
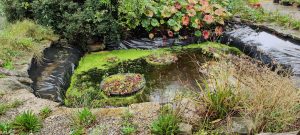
[52, 76]
[261, 44]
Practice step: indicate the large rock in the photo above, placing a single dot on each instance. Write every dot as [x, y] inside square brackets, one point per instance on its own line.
[13, 83]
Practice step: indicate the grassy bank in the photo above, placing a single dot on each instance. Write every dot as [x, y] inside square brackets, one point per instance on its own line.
[21, 40]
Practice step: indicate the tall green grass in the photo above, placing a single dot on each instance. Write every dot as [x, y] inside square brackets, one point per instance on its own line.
[22, 39]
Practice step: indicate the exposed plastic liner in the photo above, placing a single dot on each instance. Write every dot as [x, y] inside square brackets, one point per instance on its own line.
[146, 43]
[268, 48]
[52, 77]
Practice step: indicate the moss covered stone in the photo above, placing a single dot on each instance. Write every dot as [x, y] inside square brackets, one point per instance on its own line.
[161, 59]
[85, 89]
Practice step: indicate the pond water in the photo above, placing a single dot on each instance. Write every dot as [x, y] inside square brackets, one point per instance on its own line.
[179, 78]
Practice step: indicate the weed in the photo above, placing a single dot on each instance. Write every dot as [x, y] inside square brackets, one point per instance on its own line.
[127, 127]
[27, 122]
[4, 107]
[45, 112]
[6, 129]
[83, 118]
[166, 124]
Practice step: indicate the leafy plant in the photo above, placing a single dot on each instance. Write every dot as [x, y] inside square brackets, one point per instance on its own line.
[27, 122]
[45, 112]
[170, 18]
[166, 124]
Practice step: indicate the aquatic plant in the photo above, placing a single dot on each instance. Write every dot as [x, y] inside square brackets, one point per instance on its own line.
[27, 122]
[161, 59]
[123, 84]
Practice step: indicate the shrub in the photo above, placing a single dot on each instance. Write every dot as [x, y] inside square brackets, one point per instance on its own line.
[166, 124]
[83, 118]
[45, 112]
[87, 20]
[16, 10]
[27, 122]
[169, 18]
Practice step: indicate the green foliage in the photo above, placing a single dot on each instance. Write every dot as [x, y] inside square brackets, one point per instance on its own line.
[131, 11]
[23, 39]
[45, 112]
[83, 118]
[166, 124]
[27, 122]
[84, 21]
[169, 18]
[6, 129]
[4, 107]
[16, 10]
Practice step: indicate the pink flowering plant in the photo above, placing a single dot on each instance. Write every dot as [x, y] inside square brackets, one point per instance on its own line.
[169, 18]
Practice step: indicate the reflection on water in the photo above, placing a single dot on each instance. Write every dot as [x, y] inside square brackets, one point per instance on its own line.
[166, 82]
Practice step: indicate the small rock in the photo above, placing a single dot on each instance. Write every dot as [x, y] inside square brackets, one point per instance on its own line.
[239, 126]
[185, 129]
[95, 47]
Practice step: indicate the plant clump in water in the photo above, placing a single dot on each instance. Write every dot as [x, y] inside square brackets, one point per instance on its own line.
[123, 84]
[161, 59]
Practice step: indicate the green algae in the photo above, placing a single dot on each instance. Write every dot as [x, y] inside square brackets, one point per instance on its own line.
[85, 89]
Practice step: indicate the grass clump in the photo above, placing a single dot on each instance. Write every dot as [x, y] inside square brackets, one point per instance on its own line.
[84, 118]
[4, 107]
[240, 87]
[23, 39]
[6, 129]
[27, 122]
[45, 112]
[167, 122]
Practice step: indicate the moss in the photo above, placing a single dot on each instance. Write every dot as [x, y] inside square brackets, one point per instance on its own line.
[85, 84]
